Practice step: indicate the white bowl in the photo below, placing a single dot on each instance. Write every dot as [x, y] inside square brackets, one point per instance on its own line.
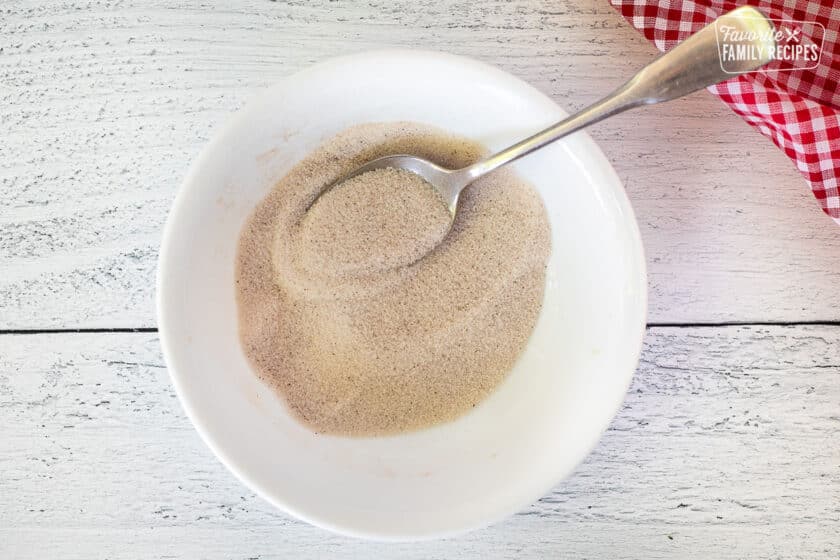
[511, 449]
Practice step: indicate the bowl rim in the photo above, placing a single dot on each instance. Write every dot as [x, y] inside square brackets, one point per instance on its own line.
[219, 137]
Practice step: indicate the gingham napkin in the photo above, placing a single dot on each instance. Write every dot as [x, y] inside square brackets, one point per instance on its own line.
[797, 108]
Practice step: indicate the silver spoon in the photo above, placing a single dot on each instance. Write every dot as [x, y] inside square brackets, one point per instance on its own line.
[692, 65]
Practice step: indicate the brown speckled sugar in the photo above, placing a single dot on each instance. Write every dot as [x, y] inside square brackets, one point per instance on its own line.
[354, 313]
[381, 220]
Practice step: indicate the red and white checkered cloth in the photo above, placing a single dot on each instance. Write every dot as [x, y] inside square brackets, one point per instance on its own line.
[799, 109]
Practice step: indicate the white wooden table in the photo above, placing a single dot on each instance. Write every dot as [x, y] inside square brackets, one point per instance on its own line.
[728, 445]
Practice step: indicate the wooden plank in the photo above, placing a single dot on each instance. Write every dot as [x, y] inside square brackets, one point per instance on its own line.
[726, 447]
[105, 103]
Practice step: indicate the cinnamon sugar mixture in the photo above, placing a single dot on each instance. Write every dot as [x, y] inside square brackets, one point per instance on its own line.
[366, 313]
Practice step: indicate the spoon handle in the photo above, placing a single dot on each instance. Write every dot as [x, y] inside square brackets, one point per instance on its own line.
[692, 65]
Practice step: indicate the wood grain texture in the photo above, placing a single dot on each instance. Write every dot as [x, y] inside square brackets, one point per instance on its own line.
[726, 447]
[106, 102]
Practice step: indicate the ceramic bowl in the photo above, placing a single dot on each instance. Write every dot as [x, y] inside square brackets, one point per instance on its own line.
[512, 448]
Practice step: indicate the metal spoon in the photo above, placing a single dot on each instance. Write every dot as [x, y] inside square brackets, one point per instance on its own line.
[692, 65]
